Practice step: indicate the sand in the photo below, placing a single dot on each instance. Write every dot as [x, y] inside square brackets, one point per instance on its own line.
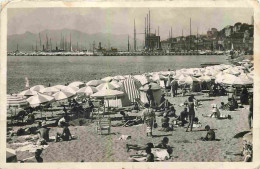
[91, 147]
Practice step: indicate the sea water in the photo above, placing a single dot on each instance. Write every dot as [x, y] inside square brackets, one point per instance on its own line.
[53, 70]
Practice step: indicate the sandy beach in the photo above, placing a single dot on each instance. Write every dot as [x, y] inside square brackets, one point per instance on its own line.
[91, 147]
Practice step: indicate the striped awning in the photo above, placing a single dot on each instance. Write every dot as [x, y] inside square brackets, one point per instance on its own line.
[130, 87]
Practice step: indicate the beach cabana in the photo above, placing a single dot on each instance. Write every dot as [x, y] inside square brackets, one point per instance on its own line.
[130, 87]
[157, 93]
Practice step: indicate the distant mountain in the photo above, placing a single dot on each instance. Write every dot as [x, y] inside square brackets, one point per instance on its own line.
[27, 41]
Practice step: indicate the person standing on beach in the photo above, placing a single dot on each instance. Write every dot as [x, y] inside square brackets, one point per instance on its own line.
[149, 95]
[149, 119]
[173, 89]
[191, 113]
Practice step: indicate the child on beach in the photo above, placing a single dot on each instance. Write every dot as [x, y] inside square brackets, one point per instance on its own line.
[210, 136]
[150, 156]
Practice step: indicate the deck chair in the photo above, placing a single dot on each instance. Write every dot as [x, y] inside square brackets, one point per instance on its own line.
[139, 102]
[103, 124]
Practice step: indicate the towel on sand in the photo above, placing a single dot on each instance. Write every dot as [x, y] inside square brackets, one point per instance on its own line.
[31, 148]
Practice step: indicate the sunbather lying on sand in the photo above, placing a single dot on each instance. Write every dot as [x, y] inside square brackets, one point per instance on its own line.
[138, 147]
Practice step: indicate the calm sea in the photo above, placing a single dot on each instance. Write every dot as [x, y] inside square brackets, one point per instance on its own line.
[60, 70]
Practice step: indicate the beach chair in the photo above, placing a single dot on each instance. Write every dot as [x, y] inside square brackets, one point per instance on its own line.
[139, 102]
[103, 124]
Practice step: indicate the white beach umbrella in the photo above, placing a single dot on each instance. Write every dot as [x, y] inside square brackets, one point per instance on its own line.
[28, 92]
[220, 78]
[70, 89]
[105, 86]
[188, 80]
[107, 79]
[95, 83]
[49, 90]
[37, 88]
[61, 95]
[205, 78]
[88, 90]
[38, 99]
[60, 87]
[107, 93]
[154, 86]
[119, 77]
[116, 84]
[75, 84]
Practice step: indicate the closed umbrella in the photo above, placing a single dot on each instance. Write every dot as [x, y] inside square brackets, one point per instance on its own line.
[37, 88]
[95, 83]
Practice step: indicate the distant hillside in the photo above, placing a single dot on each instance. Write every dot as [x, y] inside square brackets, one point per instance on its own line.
[27, 40]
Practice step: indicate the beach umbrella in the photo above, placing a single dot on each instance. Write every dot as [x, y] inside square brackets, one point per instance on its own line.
[154, 86]
[38, 99]
[95, 83]
[107, 79]
[107, 93]
[105, 86]
[188, 80]
[49, 90]
[61, 95]
[116, 84]
[205, 78]
[75, 84]
[119, 77]
[16, 101]
[60, 87]
[220, 78]
[37, 88]
[70, 89]
[11, 156]
[28, 92]
[142, 79]
[88, 90]
[231, 71]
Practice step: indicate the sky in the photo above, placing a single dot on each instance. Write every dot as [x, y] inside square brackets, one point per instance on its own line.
[121, 20]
